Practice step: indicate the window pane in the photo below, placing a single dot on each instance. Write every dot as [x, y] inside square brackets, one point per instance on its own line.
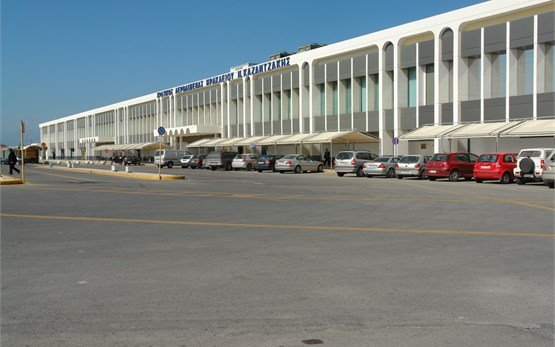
[411, 75]
[334, 99]
[430, 84]
[363, 94]
[348, 96]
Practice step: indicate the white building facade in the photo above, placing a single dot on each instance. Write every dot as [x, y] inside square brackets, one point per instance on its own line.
[484, 64]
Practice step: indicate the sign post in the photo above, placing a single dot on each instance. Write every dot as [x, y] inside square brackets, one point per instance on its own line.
[395, 142]
[161, 132]
[22, 131]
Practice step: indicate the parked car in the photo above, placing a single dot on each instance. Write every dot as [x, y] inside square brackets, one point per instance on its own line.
[168, 157]
[266, 162]
[548, 175]
[495, 166]
[412, 165]
[352, 162]
[451, 165]
[381, 166]
[197, 161]
[244, 161]
[186, 161]
[131, 160]
[117, 159]
[298, 163]
[531, 163]
[220, 160]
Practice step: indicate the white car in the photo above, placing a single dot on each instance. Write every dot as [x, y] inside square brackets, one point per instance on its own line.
[548, 175]
[244, 161]
[530, 164]
[186, 161]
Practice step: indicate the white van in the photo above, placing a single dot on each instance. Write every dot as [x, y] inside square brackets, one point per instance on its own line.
[169, 157]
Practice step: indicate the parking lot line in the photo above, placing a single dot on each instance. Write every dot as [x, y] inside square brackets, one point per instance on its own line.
[283, 227]
[61, 176]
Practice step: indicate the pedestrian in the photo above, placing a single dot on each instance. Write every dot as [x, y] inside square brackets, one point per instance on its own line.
[327, 158]
[12, 160]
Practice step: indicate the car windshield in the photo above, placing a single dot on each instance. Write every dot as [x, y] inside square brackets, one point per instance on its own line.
[157, 153]
[290, 156]
[187, 157]
[530, 154]
[239, 156]
[409, 159]
[488, 158]
[381, 160]
[440, 157]
[344, 155]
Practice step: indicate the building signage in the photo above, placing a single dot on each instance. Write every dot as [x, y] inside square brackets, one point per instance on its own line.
[249, 71]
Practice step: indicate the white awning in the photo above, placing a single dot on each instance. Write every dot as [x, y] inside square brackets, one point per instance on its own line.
[133, 146]
[353, 136]
[429, 132]
[248, 140]
[228, 142]
[295, 139]
[199, 143]
[272, 140]
[213, 142]
[532, 128]
[480, 130]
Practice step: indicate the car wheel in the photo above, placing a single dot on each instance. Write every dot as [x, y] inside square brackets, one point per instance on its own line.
[399, 177]
[213, 168]
[259, 170]
[479, 180]
[170, 164]
[298, 169]
[320, 168]
[551, 184]
[341, 174]
[236, 169]
[249, 167]
[369, 176]
[468, 178]
[454, 176]
[359, 172]
[228, 166]
[183, 167]
[282, 172]
[431, 178]
[193, 167]
[506, 178]
[390, 173]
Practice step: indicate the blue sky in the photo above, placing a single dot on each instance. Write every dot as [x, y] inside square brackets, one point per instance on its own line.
[61, 57]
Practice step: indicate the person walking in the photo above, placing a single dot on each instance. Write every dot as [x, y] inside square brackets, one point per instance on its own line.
[327, 158]
[12, 160]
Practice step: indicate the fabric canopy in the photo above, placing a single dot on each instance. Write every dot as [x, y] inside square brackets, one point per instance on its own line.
[228, 142]
[212, 142]
[248, 140]
[199, 143]
[477, 130]
[294, 139]
[133, 146]
[429, 132]
[532, 128]
[272, 140]
[353, 136]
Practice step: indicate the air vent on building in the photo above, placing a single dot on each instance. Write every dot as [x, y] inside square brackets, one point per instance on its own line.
[279, 55]
[309, 47]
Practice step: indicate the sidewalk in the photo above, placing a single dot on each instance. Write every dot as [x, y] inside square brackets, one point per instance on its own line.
[107, 172]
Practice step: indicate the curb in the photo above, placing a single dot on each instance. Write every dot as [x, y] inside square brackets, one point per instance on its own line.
[134, 175]
[10, 181]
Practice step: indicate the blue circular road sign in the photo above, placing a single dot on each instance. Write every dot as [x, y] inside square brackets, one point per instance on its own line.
[161, 131]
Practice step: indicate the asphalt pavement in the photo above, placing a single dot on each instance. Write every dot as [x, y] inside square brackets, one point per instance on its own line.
[269, 259]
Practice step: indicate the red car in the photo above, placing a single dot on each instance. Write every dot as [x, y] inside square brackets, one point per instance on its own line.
[451, 165]
[495, 166]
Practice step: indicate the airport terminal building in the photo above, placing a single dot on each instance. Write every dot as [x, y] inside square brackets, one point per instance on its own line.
[480, 78]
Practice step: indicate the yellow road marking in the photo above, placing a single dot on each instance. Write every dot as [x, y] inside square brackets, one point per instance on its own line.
[284, 227]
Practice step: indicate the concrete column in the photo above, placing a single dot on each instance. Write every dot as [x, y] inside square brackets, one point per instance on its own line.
[457, 62]
[437, 70]
[311, 97]
[508, 63]
[482, 74]
[251, 102]
[535, 70]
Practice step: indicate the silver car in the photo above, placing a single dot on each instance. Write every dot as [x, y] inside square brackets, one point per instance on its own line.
[381, 166]
[298, 163]
[352, 162]
[412, 165]
[244, 161]
[548, 174]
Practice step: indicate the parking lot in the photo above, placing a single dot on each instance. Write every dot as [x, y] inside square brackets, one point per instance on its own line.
[268, 259]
